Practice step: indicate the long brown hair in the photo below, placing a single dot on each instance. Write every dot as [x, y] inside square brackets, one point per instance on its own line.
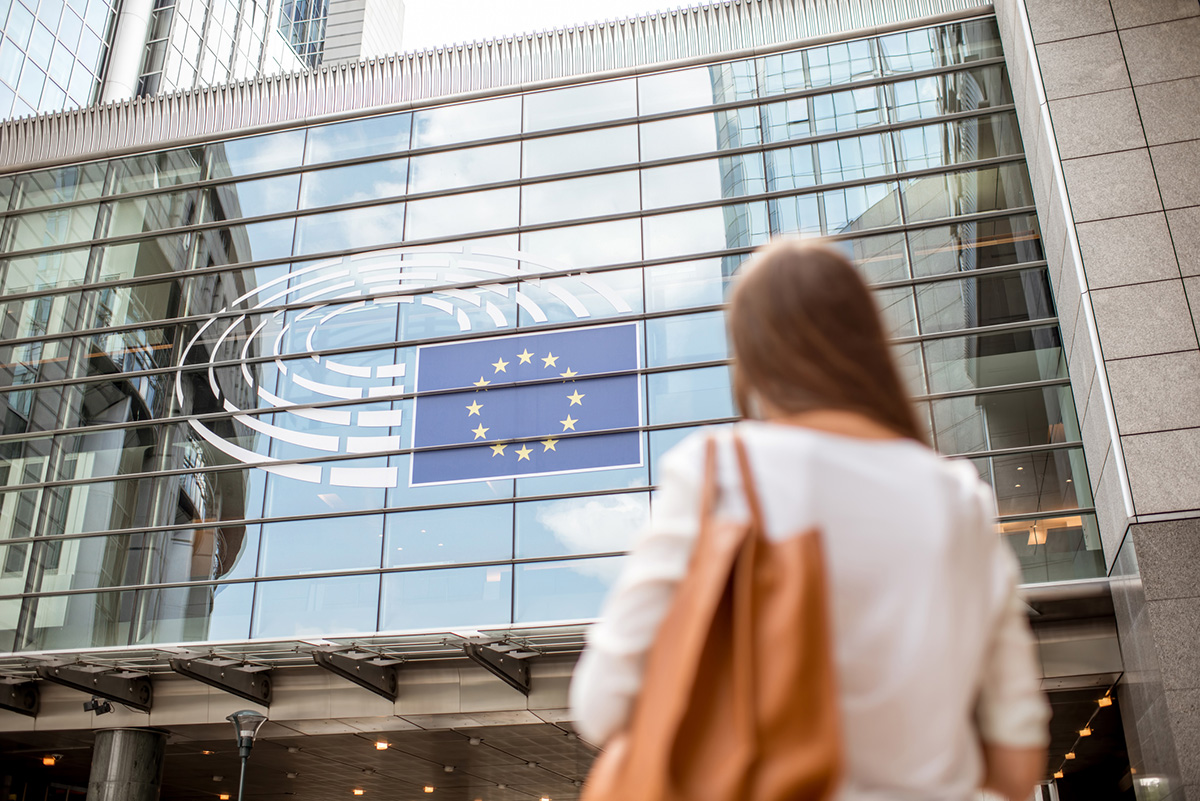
[806, 335]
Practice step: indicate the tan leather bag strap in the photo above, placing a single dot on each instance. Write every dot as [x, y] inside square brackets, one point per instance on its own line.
[749, 490]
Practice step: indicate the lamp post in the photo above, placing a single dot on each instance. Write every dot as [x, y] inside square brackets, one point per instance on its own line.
[246, 723]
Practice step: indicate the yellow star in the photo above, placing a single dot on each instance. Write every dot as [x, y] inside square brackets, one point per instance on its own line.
[474, 408]
[569, 423]
[550, 360]
[480, 432]
[548, 445]
[525, 357]
[523, 453]
[500, 365]
[569, 374]
[498, 448]
[482, 382]
[575, 398]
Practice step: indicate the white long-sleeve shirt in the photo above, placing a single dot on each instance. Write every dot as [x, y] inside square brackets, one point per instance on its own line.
[931, 643]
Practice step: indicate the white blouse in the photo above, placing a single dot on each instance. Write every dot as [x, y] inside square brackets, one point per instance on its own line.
[932, 645]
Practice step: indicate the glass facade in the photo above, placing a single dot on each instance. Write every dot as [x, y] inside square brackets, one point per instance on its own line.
[52, 53]
[414, 372]
[195, 43]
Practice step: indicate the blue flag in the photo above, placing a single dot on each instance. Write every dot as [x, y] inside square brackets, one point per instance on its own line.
[542, 390]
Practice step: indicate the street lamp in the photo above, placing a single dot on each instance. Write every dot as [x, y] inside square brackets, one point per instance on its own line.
[246, 723]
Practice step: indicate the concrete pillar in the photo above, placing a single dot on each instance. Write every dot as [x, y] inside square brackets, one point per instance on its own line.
[128, 50]
[127, 765]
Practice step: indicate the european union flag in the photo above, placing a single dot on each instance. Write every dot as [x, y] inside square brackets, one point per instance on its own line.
[517, 404]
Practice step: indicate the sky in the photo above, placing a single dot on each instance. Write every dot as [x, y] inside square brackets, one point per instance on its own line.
[429, 23]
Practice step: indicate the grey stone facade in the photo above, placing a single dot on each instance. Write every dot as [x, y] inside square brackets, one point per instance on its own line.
[1108, 97]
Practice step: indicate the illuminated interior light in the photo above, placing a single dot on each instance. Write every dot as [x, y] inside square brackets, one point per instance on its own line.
[50, 760]
[1070, 755]
[1105, 701]
[1058, 774]
[429, 788]
[359, 791]
[381, 746]
[1085, 732]
[224, 796]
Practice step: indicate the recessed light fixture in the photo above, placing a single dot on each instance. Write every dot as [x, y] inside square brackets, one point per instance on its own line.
[1105, 701]
[359, 791]
[1085, 732]
[382, 745]
[1020, 468]
[50, 760]
[1018, 486]
[429, 788]
[224, 796]
[1069, 755]
[475, 741]
[1058, 774]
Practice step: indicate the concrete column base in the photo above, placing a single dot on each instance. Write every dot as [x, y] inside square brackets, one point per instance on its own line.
[127, 765]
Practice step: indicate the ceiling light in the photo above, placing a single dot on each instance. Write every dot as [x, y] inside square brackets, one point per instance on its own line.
[1068, 481]
[50, 760]
[1058, 774]
[429, 788]
[1085, 732]
[293, 775]
[1105, 701]
[1036, 536]
[545, 798]
[381, 746]
[475, 741]
[448, 768]
[224, 796]
[1018, 486]
[1070, 755]
[359, 791]
[208, 753]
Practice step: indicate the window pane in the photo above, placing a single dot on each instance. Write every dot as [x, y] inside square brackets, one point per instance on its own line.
[151, 213]
[700, 133]
[253, 198]
[158, 170]
[936, 95]
[988, 360]
[44, 271]
[705, 230]
[986, 300]
[696, 87]
[568, 590]
[685, 396]
[472, 212]
[579, 198]
[935, 47]
[50, 228]
[196, 614]
[1046, 481]
[999, 420]
[687, 338]
[466, 597]
[586, 150]
[255, 154]
[1059, 548]
[687, 284]
[240, 243]
[466, 167]
[959, 247]
[317, 546]
[967, 192]
[337, 230]
[956, 142]
[614, 242]
[442, 536]
[61, 185]
[879, 258]
[357, 182]
[603, 524]
[375, 136]
[896, 311]
[579, 105]
[316, 607]
[464, 122]
[698, 181]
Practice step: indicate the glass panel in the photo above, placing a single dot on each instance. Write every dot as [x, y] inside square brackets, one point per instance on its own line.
[700, 133]
[602, 524]
[568, 590]
[699, 181]
[1063, 548]
[686, 339]
[1046, 481]
[879, 258]
[967, 192]
[255, 154]
[896, 311]
[684, 233]
[959, 247]
[41, 229]
[462, 598]
[158, 170]
[935, 47]
[242, 243]
[150, 213]
[685, 396]
[464, 122]
[375, 136]
[950, 93]
[376, 180]
[352, 228]
[696, 87]
[61, 185]
[688, 284]
[985, 300]
[586, 150]
[318, 546]
[93, 620]
[444, 536]
[819, 66]
[579, 105]
[1000, 420]
[195, 614]
[988, 360]
[950, 143]
[468, 213]
[253, 198]
[590, 245]
[470, 166]
[579, 198]
[43, 271]
[316, 607]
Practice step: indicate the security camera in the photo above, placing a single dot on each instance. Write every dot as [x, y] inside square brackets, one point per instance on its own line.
[97, 705]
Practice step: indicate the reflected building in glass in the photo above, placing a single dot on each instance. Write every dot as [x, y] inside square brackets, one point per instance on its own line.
[401, 374]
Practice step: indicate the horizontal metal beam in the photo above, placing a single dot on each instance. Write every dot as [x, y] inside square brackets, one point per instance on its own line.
[22, 698]
[366, 670]
[253, 684]
[133, 691]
